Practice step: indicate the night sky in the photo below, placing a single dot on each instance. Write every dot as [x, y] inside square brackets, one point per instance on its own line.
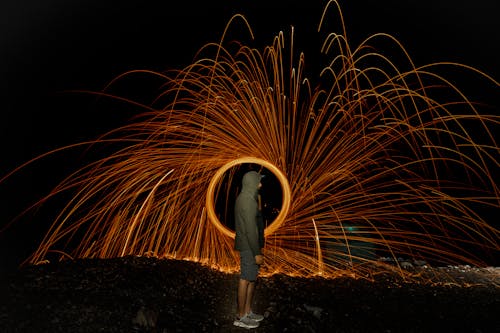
[48, 47]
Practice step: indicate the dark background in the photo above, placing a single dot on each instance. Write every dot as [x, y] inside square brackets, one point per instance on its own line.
[48, 47]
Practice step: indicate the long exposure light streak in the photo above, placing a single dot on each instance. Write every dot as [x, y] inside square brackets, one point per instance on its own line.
[370, 160]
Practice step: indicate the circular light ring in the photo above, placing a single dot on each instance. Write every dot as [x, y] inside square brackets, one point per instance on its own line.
[285, 188]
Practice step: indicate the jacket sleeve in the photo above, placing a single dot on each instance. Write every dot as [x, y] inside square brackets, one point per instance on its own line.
[250, 230]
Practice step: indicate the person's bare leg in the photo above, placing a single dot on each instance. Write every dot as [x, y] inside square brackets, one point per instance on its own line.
[242, 297]
[249, 296]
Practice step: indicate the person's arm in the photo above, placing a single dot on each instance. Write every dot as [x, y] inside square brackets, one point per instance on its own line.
[250, 229]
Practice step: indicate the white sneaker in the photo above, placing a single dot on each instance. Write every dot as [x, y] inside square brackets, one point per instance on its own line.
[255, 316]
[245, 322]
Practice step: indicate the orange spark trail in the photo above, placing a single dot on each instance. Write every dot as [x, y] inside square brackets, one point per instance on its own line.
[367, 158]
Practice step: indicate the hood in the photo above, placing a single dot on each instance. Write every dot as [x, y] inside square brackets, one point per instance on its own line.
[250, 182]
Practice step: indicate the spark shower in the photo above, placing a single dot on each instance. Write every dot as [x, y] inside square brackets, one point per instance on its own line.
[373, 156]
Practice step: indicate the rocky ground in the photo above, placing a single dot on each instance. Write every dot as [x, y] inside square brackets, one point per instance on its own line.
[134, 294]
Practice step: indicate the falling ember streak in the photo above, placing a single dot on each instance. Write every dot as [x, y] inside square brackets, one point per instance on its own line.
[318, 246]
[368, 155]
[136, 219]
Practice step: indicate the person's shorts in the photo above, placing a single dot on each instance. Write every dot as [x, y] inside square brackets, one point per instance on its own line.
[248, 268]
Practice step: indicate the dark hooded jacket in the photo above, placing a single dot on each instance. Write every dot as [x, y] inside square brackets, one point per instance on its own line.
[245, 211]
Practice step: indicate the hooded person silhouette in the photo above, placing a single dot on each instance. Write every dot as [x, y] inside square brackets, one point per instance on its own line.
[246, 212]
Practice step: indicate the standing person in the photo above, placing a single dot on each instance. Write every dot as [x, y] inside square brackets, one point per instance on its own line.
[247, 242]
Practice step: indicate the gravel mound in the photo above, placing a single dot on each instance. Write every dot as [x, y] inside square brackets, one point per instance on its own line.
[139, 294]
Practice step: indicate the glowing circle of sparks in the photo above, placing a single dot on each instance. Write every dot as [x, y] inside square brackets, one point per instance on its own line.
[285, 187]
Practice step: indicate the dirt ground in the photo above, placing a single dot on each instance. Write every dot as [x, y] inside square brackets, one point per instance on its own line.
[137, 294]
